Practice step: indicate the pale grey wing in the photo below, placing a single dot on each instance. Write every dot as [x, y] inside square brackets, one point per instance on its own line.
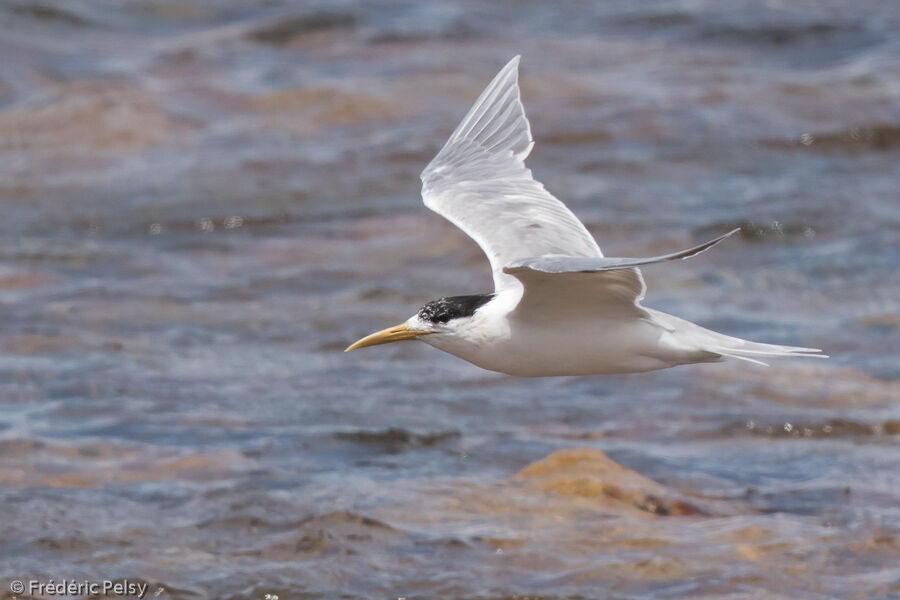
[576, 264]
[479, 182]
[576, 285]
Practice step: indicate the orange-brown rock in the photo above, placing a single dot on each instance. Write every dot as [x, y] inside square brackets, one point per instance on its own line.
[589, 473]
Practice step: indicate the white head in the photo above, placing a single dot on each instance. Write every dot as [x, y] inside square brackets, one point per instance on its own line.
[439, 323]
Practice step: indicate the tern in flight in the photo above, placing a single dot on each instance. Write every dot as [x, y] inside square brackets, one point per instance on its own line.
[559, 307]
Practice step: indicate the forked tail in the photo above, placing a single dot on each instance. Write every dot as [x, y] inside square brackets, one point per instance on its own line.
[702, 339]
[751, 351]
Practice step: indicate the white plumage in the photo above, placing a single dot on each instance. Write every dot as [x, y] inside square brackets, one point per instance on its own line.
[479, 182]
[559, 306]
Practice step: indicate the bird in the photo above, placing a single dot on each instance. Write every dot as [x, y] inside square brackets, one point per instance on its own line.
[559, 306]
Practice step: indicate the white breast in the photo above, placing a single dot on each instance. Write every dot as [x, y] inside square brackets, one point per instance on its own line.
[558, 344]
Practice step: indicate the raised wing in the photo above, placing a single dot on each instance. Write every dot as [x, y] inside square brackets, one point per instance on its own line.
[574, 285]
[479, 182]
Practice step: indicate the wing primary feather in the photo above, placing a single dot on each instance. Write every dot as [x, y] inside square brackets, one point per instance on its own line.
[486, 103]
[575, 264]
[479, 182]
[503, 111]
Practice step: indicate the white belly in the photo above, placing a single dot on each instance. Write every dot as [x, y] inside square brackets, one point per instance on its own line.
[601, 347]
[568, 348]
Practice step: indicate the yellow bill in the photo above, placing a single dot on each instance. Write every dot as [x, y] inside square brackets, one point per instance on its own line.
[386, 336]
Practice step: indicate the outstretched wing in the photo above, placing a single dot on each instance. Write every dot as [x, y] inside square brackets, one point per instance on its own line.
[479, 182]
[574, 264]
[573, 285]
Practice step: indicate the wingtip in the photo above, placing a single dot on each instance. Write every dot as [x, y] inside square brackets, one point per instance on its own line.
[721, 238]
[704, 246]
[726, 235]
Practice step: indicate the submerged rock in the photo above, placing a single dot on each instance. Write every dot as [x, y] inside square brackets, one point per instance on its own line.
[589, 473]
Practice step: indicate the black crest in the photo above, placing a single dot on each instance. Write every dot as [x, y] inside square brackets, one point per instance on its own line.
[454, 307]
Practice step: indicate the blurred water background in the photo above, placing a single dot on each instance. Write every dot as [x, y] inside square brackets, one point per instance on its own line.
[203, 203]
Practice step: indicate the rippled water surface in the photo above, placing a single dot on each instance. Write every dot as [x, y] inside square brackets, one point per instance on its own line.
[204, 203]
